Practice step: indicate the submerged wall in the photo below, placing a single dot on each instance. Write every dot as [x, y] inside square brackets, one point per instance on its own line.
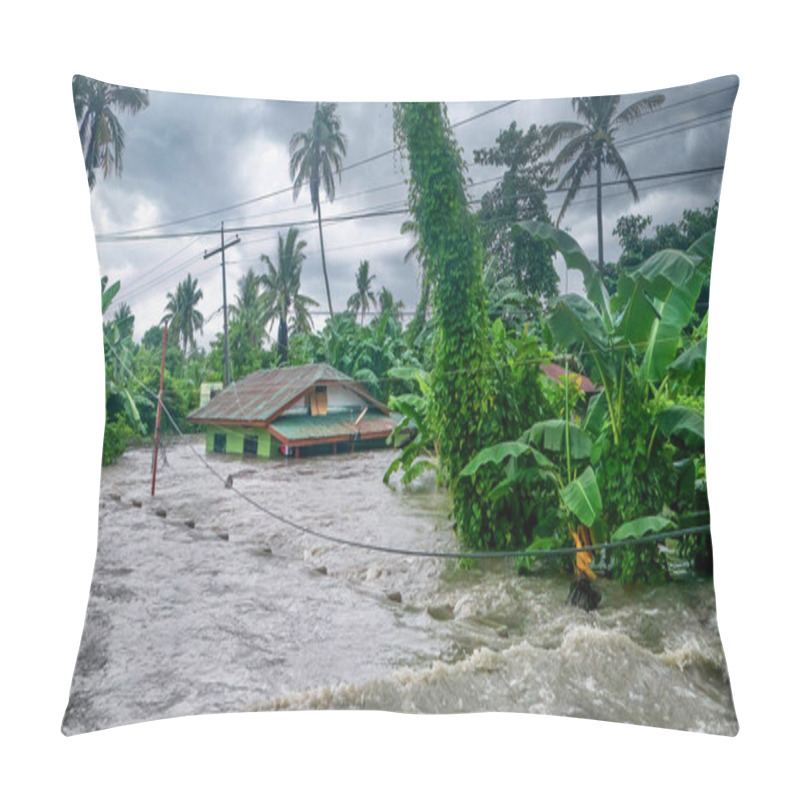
[255, 442]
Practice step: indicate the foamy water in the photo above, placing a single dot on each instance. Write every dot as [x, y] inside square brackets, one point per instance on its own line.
[217, 607]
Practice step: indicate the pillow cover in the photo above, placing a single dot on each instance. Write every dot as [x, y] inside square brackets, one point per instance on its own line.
[283, 463]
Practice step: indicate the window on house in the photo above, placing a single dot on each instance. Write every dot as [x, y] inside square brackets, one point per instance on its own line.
[319, 401]
[220, 441]
[251, 445]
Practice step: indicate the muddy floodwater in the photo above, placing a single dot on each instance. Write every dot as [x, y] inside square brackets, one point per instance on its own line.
[202, 603]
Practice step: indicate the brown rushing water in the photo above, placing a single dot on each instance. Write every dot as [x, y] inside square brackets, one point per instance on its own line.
[238, 614]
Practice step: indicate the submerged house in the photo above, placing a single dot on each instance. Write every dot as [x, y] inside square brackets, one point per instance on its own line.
[313, 410]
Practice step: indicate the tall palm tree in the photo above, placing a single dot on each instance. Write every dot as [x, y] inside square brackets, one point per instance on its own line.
[315, 156]
[102, 137]
[363, 296]
[282, 284]
[590, 144]
[183, 318]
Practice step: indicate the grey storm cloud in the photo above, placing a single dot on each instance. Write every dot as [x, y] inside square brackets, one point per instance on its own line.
[192, 162]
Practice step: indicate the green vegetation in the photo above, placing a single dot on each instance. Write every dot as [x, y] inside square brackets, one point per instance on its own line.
[316, 156]
[102, 136]
[530, 459]
[590, 144]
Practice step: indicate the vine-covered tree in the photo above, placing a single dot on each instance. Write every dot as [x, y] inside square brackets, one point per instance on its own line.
[590, 145]
[315, 158]
[452, 255]
[101, 133]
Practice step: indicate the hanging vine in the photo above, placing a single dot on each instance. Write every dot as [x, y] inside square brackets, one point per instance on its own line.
[452, 254]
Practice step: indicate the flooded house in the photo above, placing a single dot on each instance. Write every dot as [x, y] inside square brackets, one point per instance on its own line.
[293, 411]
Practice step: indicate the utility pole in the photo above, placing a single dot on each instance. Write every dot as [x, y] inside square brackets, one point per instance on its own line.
[208, 254]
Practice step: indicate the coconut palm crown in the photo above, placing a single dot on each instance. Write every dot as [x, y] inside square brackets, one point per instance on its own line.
[101, 133]
[590, 145]
[316, 158]
[282, 284]
[363, 296]
[183, 318]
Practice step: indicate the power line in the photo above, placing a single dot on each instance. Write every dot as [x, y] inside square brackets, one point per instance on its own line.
[476, 555]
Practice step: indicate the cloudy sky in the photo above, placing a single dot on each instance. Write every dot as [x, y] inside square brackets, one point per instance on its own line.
[193, 162]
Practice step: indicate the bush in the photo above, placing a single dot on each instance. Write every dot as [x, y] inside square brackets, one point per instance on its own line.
[116, 437]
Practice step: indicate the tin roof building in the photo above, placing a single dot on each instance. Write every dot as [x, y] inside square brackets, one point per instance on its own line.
[313, 409]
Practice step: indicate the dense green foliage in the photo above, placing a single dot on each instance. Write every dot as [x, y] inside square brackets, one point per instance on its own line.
[529, 460]
[524, 264]
[451, 250]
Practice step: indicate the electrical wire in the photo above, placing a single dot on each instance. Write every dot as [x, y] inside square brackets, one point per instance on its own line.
[476, 555]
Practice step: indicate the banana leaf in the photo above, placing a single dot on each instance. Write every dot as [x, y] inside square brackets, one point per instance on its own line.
[551, 435]
[582, 497]
[674, 282]
[576, 259]
[691, 364]
[684, 422]
[574, 321]
[637, 528]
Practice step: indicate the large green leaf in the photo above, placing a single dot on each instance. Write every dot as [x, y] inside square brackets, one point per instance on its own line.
[576, 259]
[582, 497]
[637, 528]
[551, 435]
[674, 282]
[704, 247]
[690, 365]
[575, 322]
[684, 422]
[495, 455]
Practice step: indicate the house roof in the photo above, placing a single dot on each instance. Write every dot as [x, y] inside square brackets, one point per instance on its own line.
[262, 396]
[556, 372]
[294, 429]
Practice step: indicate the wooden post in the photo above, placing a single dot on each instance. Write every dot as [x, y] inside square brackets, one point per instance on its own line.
[158, 411]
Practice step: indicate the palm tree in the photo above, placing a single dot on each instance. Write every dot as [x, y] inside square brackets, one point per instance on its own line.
[590, 144]
[315, 156]
[102, 137]
[250, 309]
[387, 304]
[183, 318]
[283, 291]
[363, 296]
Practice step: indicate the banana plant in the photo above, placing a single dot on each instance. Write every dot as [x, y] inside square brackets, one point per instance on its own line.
[630, 340]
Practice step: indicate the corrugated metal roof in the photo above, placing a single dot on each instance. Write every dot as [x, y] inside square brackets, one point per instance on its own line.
[341, 425]
[556, 372]
[263, 395]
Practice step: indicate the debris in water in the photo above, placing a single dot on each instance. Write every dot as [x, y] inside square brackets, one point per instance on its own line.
[583, 594]
[441, 613]
[160, 512]
[229, 482]
[190, 523]
[136, 503]
[395, 597]
[321, 570]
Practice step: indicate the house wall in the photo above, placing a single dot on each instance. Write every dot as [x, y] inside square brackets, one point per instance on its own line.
[339, 399]
[267, 446]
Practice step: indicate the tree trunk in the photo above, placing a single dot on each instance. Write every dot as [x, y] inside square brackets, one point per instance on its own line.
[324, 268]
[599, 219]
[283, 341]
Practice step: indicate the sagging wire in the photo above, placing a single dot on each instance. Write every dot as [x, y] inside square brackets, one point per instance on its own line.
[477, 555]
